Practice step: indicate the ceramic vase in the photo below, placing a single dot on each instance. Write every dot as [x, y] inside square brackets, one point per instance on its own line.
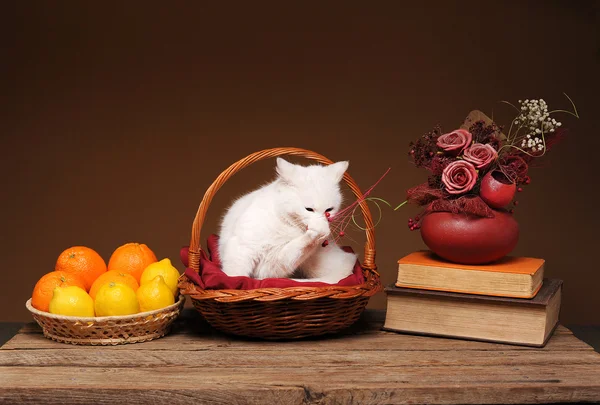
[469, 239]
[496, 190]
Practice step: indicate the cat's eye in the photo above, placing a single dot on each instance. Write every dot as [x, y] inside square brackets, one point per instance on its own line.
[309, 209]
[329, 209]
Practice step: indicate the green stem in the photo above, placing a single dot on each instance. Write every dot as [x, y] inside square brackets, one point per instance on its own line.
[511, 104]
[400, 205]
[564, 111]
[573, 104]
[378, 199]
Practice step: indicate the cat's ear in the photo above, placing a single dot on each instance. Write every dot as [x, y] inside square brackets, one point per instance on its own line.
[285, 170]
[337, 170]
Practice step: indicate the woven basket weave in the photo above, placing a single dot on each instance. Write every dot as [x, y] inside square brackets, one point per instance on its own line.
[281, 313]
[107, 330]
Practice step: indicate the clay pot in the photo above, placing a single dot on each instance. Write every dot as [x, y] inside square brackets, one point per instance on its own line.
[496, 190]
[467, 239]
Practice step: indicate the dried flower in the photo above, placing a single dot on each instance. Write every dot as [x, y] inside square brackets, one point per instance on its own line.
[458, 160]
[439, 163]
[514, 168]
[455, 141]
[459, 177]
[480, 155]
[486, 133]
[424, 150]
[534, 119]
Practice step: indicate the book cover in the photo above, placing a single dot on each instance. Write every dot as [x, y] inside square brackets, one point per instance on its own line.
[517, 277]
[528, 322]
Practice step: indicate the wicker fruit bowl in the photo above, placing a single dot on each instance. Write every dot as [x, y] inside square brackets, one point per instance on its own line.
[107, 330]
[281, 313]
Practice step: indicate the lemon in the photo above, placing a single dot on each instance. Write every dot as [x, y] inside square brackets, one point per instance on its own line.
[116, 299]
[162, 268]
[71, 301]
[155, 294]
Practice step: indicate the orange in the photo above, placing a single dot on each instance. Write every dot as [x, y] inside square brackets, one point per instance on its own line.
[44, 288]
[115, 276]
[132, 258]
[81, 261]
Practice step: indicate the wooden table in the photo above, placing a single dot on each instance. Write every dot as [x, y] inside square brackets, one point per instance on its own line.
[195, 364]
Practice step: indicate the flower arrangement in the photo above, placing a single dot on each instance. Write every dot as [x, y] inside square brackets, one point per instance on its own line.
[477, 169]
[474, 170]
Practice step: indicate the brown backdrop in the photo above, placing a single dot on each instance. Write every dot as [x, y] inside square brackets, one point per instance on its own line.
[116, 117]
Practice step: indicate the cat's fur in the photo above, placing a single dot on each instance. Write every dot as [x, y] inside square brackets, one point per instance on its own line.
[270, 233]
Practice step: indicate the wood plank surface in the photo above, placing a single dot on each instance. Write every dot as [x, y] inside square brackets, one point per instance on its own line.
[363, 365]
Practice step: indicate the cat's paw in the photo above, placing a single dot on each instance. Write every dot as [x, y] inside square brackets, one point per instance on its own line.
[318, 229]
[315, 237]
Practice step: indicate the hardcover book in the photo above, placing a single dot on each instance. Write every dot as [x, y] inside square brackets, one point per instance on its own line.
[528, 322]
[516, 277]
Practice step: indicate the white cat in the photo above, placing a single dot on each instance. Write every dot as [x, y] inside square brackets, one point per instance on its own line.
[278, 230]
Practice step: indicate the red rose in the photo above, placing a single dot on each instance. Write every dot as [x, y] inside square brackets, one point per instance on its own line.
[455, 141]
[480, 155]
[459, 177]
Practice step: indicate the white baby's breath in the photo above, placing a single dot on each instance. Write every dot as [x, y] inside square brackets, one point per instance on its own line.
[535, 119]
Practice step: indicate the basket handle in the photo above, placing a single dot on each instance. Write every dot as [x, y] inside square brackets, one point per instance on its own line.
[195, 247]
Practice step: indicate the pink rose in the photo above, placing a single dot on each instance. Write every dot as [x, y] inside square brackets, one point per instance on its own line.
[455, 141]
[459, 177]
[480, 155]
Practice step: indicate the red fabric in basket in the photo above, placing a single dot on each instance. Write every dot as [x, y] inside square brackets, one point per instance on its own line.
[211, 276]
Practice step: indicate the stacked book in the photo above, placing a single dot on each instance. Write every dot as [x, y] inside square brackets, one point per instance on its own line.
[508, 301]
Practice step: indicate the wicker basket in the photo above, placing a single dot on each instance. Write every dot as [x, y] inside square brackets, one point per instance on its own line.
[281, 313]
[107, 330]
